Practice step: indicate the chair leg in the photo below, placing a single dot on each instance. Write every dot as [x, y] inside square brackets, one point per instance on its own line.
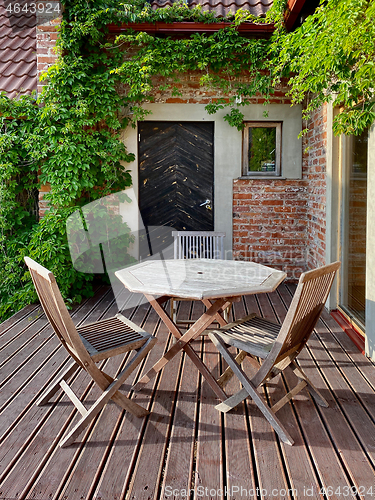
[86, 419]
[248, 390]
[55, 384]
[226, 313]
[310, 386]
[111, 392]
[126, 403]
[228, 373]
[173, 310]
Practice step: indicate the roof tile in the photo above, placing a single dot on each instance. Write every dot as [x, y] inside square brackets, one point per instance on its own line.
[18, 70]
[222, 7]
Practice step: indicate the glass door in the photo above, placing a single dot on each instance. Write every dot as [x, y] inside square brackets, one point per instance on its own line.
[353, 228]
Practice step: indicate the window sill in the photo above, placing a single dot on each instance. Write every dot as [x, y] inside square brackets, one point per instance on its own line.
[263, 177]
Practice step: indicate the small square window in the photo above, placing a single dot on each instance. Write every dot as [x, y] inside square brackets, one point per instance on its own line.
[262, 149]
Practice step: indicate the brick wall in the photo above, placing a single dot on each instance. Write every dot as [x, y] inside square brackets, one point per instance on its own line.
[314, 172]
[282, 223]
[270, 223]
[46, 37]
[193, 93]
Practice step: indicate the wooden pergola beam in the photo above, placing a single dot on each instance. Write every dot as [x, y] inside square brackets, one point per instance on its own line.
[184, 28]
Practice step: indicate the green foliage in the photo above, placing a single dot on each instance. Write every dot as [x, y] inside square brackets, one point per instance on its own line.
[17, 168]
[18, 183]
[70, 138]
[80, 125]
[71, 142]
[208, 54]
[332, 58]
[21, 233]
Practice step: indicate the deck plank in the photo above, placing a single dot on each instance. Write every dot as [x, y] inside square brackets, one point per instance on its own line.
[185, 442]
[240, 469]
[298, 458]
[343, 414]
[179, 464]
[147, 476]
[326, 463]
[15, 320]
[209, 463]
[31, 437]
[271, 469]
[83, 476]
[117, 470]
[33, 421]
[55, 477]
[20, 417]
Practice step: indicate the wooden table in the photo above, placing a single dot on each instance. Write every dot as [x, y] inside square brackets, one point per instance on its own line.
[217, 283]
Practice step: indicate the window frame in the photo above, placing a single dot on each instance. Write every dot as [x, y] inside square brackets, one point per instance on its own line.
[245, 148]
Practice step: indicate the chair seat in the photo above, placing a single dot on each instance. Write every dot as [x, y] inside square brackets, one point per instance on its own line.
[113, 334]
[87, 345]
[252, 334]
[277, 345]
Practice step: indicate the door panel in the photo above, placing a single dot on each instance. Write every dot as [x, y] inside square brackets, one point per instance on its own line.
[176, 174]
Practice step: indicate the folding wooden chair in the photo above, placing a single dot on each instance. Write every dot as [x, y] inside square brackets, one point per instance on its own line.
[196, 245]
[276, 345]
[87, 345]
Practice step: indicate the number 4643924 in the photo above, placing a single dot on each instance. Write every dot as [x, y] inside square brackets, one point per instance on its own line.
[346, 491]
[32, 8]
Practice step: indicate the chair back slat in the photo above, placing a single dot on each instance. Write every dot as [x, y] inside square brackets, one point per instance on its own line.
[46, 298]
[56, 311]
[198, 244]
[306, 307]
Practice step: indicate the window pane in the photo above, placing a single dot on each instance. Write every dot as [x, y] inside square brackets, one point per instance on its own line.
[262, 149]
[354, 245]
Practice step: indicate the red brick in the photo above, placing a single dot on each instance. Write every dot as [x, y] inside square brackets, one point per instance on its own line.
[47, 28]
[47, 59]
[45, 188]
[271, 202]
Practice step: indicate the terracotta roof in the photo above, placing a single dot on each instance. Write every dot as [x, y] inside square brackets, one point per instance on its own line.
[222, 7]
[17, 50]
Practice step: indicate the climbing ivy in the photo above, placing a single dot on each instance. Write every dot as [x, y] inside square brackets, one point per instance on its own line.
[70, 137]
[331, 58]
[21, 233]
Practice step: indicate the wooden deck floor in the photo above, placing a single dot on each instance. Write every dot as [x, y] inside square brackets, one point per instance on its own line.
[185, 444]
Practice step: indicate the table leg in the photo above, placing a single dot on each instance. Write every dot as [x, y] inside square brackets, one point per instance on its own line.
[219, 318]
[183, 343]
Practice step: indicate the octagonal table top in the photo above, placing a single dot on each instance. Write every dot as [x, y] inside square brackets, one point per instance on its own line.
[200, 278]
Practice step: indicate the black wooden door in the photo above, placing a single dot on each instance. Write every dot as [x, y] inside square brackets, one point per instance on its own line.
[176, 174]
